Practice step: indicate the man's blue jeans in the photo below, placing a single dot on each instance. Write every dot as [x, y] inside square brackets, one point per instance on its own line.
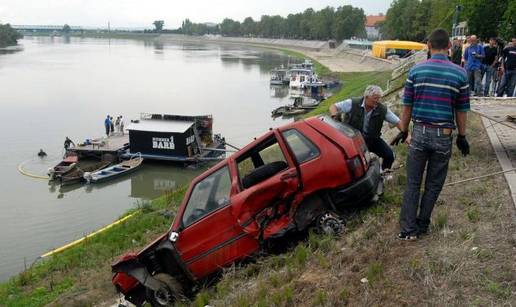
[475, 81]
[430, 149]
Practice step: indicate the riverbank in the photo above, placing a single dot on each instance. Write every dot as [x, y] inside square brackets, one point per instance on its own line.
[340, 59]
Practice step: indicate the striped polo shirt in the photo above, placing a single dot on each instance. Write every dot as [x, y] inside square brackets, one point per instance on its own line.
[436, 89]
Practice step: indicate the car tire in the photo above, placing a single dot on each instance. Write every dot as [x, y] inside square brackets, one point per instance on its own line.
[329, 223]
[170, 291]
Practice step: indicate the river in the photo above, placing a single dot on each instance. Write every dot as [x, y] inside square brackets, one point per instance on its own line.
[58, 87]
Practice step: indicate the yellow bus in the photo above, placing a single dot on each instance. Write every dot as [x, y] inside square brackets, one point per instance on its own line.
[383, 49]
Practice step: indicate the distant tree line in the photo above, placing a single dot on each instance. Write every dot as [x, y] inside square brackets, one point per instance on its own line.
[329, 23]
[8, 36]
[415, 19]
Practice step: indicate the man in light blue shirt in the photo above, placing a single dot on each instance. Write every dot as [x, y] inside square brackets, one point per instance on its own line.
[367, 115]
[473, 57]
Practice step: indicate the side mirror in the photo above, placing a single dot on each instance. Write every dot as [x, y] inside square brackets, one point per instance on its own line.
[173, 236]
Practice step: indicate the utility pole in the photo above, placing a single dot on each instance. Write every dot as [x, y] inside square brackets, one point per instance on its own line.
[456, 18]
[108, 27]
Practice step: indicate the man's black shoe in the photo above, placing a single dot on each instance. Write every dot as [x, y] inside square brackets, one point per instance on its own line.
[407, 237]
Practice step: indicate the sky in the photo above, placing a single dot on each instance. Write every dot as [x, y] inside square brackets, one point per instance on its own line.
[139, 13]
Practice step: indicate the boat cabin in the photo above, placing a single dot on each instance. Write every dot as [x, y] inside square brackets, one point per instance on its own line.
[170, 137]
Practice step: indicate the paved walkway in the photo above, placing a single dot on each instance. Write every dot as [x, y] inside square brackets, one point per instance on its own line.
[502, 135]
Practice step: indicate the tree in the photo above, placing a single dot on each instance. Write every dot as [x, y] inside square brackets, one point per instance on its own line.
[349, 22]
[248, 27]
[66, 29]
[158, 25]
[508, 26]
[8, 36]
[484, 17]
[229, 27]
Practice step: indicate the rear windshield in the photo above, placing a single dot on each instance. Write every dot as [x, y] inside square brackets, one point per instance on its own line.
[347, 130]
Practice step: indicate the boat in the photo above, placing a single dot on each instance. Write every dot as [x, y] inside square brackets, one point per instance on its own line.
[179, 138]
[279, 76]
[301, 77]
[76, 175]
[114, 171]
[63, 167]
[301, 105]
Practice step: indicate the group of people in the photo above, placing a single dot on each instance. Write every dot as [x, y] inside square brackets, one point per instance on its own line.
[113, 127]
[491, 66]
[436, 101]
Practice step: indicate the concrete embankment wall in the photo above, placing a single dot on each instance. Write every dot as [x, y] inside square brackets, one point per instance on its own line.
[303, 44]
[340, 59]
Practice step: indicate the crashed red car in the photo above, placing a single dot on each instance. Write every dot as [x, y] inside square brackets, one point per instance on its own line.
[294, 177]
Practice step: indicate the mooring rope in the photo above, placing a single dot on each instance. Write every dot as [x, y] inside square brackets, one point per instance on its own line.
[25, 173]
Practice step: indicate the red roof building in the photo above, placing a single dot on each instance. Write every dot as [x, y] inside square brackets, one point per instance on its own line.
[371, 26]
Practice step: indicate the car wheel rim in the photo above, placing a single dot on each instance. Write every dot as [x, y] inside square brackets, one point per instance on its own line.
[163, 297]
[331, 224]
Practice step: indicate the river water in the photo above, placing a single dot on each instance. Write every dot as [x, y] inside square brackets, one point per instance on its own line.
[57, 87]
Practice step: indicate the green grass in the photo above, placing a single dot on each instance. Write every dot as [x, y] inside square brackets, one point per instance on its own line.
[353, 85]
[60, 273]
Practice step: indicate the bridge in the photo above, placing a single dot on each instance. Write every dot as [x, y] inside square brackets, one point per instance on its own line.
[44, 28]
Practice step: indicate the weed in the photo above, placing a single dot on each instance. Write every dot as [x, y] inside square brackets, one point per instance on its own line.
[288, 295]
[243, 300]
[441, 221]
[300, 255]
[322, 261]
[473, 215]
[320, 298]
[484, 254]
[498, 290]
[344, 296]
[374, 272]
[202, 299]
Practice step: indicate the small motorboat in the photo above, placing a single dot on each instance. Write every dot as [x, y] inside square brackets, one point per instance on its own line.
[301, 105]
[114, 171]
[63, 167]
[76, 175]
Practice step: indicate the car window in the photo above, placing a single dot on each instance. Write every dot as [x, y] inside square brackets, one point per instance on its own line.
[344, 128]
[301, 146]
[267, 155]
[208, 195]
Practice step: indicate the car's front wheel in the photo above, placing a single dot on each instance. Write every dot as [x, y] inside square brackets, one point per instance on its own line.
[170, 291]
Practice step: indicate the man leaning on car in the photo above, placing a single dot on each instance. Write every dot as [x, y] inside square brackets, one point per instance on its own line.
[367, 115]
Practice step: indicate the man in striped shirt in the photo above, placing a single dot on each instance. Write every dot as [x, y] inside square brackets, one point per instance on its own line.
[436, 98]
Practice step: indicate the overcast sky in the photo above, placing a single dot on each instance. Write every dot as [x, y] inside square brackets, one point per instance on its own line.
[140, 13]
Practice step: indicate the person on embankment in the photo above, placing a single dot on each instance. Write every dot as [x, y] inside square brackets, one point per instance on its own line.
[436, 97]
[367, 115]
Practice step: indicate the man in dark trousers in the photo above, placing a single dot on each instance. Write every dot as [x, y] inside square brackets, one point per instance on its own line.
[107, 125]
[367, 115]
[489, 63]
[436, 98]
[509, 68]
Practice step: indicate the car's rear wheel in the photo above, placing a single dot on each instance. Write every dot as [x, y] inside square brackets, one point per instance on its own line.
[170, 291]
[330, 223]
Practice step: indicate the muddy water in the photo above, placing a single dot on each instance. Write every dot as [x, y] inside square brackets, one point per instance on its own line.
[65, 87]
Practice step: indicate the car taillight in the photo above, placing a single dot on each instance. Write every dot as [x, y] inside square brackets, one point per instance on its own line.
[355, 167]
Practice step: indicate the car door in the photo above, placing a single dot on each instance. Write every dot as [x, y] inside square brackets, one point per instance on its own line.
[264, 200]
[210, 237]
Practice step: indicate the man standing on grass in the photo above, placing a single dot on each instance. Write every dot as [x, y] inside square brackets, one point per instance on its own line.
[473, 57]
[436, 97]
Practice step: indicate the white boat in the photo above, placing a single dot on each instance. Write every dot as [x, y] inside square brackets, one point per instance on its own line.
[301, 77]
[279, 76]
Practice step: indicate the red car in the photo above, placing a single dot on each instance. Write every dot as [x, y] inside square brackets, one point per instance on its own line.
[293, 177]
